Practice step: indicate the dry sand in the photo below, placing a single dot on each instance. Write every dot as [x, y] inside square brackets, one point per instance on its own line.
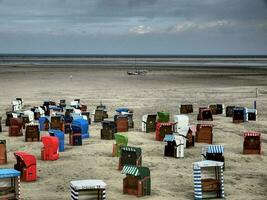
[160, 90]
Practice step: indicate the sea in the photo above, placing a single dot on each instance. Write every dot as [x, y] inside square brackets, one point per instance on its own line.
[135, 61]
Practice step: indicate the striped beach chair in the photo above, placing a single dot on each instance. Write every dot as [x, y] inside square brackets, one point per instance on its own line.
[213, 152]
[10, 178]
[88, 189]
[205, 186]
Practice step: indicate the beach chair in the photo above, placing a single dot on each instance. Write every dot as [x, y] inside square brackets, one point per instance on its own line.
[130, 156]
[30, 115]
[149, 123]
[3, 152]
[25, 120]
[216, 109]
[251, 114]
[62, 103]
[50, 149]
[137, 181]
[26, 164]
[88, 189]
[186, 108]
[190, 138]
[239, 115]
[181, 122]
[56, 122]
[213, 152]
[44, 123]
[163, 129]
[204, 114]
[86, 115]
[229, 110]
[15, 128]
[204, 133]
[108, 130]
[121, 123]
[75, 136]
[75, 104]
[208, 179]
[60, 136]
[174, 146]
[32, 132]
[17, 104]
[252, 143]
[84, 127]
[121, 140]
[10, 184]
[8, 117]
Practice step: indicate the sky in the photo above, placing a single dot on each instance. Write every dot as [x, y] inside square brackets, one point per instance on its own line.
[134, 26]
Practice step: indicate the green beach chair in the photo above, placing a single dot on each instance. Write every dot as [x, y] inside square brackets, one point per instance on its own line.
[121, 140]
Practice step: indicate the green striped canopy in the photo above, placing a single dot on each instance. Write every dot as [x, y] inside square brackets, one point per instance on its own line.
[140, 172]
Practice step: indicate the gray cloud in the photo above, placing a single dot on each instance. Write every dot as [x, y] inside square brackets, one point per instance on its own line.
[169, 20]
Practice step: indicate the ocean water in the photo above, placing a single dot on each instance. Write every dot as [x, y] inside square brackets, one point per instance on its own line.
[139, 61]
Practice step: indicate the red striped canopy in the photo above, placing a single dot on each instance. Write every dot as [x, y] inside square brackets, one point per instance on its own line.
[251, 133]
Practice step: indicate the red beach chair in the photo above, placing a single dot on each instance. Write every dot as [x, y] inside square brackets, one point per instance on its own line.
[50, 149]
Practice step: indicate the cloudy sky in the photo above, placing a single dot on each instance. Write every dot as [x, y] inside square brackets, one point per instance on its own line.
[134, 26]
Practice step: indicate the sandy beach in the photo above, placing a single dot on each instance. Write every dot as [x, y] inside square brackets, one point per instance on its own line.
[160, 90]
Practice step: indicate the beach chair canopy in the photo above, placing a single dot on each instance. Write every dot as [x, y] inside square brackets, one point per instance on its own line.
[120, 110]
[137, 150]
[88, 184]
[165, 124]
[205, 125]
[84, 126]
[58, 133]
[169, 138]
[163, 116]
[140, 172]
[207, 163]
[76, 116]
[251, 134]
[50, 141]
[101, 107]
[9, 173]
[28, 159]
[121, 139]
[213, 149]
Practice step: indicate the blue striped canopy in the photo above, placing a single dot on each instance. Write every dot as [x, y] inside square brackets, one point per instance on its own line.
[215, 149]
